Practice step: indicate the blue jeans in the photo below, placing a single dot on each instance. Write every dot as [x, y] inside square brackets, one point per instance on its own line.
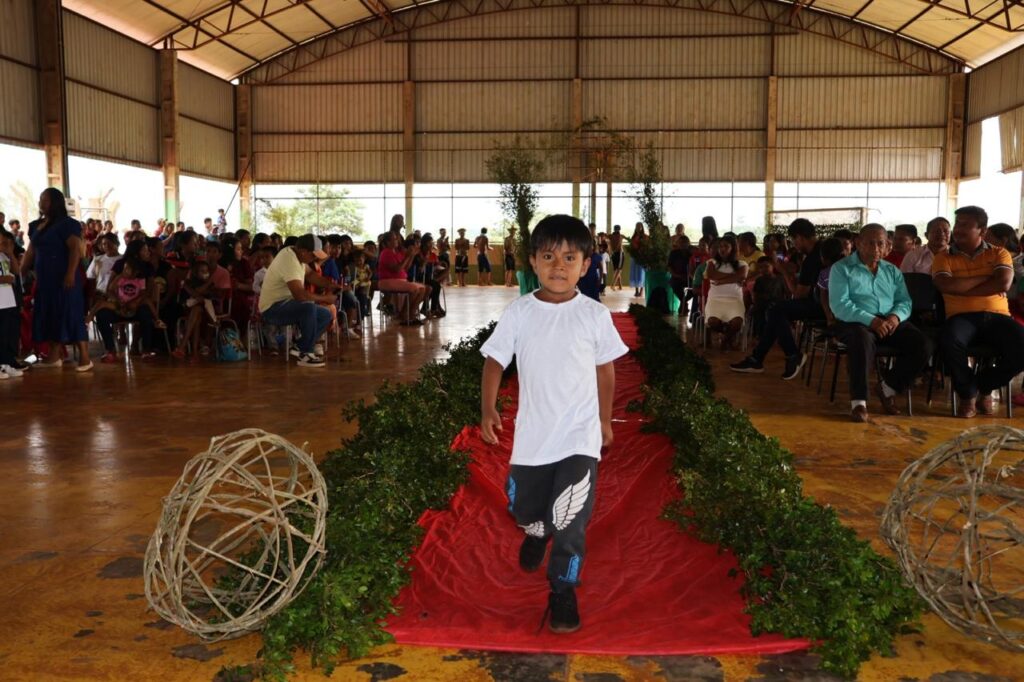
[312, 319]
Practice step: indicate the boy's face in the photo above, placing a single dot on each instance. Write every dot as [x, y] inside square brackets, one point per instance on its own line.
[109, 247]
[764, 269]
[902, 242]
[266, 259]
[333, 250]
[559, 267]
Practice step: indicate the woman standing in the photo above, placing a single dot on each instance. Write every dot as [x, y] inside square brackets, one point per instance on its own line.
[58, 309]
[636, 271]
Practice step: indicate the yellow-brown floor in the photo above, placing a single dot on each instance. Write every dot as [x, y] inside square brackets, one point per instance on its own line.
[85, 460]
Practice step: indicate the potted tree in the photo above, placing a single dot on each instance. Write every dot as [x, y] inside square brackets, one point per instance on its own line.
[515, 167]
[652, 252]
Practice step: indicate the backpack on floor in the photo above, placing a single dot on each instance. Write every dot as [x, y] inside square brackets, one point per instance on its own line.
[659, 301]
[230, 347]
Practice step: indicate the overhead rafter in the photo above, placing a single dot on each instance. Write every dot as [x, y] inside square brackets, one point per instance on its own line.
[916, 55]
[997, 13]
[212, 36]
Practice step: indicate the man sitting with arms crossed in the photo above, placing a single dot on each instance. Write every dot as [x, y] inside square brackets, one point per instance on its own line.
[284, 300]
[974, 277]
[869, 299]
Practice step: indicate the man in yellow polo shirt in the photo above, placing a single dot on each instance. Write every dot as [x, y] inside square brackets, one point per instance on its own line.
[974, 277]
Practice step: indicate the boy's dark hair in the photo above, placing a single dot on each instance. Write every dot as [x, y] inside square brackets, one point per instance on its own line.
[801, 227]
[909, 230]
[561, 229]
[1007, 234]
[334, 239]
[747, 238]
[832, 250]
[976, 212]
[848, 235]
[483, 230]
[764, 259]
[290, 241]
[259, 239]
[241, 233]
[369, 244]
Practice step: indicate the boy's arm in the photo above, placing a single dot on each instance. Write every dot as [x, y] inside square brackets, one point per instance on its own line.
[605, 392]
[490, 420]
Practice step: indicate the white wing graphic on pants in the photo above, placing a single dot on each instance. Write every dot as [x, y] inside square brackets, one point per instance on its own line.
[569, 503]
[535, 529]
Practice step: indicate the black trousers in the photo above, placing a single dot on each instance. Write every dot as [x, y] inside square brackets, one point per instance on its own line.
[105, 320]
[678, 285]
[779, 325]
[555, 501]
[1001, 333]
[10, 335]
[861, 343]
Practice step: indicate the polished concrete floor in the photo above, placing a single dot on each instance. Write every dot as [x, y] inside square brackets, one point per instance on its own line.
[85, 460]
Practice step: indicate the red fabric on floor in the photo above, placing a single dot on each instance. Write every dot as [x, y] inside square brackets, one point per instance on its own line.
[646, 587]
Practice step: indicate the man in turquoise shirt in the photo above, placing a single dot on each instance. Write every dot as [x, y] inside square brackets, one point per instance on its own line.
[870, 302]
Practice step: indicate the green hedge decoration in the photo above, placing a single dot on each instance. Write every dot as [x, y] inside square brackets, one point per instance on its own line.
[806, 574]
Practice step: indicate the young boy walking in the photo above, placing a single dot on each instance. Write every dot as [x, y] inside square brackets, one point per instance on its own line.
[564, 344]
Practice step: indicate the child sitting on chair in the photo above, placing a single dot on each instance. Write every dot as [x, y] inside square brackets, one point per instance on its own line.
[125, 293]
[198, 293]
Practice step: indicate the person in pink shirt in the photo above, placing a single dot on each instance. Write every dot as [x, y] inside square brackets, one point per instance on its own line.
[394, 258]
[219, 275]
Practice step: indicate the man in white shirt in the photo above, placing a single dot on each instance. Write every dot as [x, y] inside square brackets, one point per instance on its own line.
[284, 300]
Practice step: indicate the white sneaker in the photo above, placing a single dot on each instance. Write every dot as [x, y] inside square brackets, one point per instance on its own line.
[294, 351]
[8, 371]
[3, 375]
[310, 360]
[318, 349]
[350, 333]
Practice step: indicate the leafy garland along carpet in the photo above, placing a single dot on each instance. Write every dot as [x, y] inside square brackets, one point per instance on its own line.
[806, 574]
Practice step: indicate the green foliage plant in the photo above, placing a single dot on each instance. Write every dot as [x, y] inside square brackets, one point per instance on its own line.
[398, 465]
[645, 184]
[806, 575]
[320, 209]
[516, 168]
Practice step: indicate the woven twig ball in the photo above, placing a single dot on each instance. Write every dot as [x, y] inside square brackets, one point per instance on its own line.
[956, 524]
[241, 533]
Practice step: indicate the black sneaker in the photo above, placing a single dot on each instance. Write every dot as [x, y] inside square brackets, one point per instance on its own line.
[793, 365]
[310, 360]
[531, 553]
[749, 365]
[565, 617]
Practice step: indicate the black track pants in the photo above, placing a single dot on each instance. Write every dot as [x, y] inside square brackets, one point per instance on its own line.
[555, 500]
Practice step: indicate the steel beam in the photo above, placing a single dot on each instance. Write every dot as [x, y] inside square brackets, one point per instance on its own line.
[918, 56]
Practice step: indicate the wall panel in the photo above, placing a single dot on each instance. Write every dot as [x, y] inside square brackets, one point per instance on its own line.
[206, 150]
[972, 151]
[895, 101]
[509, 106]
[98, 56]
[735, 104]
[675, 58]
[108, 126]
[377, 61]
[996, 87]
[489, 60]
[17, 31]
[205, 97]
[860, 155]
[803, 54]
[327, 108]
[328, 158]
[19, 103]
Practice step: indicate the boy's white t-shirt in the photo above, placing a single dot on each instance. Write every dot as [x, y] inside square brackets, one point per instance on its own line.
[100, 269]
[557, 347]
[257, 280]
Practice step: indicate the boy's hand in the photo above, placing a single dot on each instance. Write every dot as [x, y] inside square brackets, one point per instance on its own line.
[490, 422]
[606, 434]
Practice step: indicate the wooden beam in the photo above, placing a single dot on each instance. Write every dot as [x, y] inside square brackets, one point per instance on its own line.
[170, 143]
[409, 147]
[244, 157]
[956, 100]
[52, 103]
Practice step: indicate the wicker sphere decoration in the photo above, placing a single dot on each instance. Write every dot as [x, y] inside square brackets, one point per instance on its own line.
[241, 534]
[956, 524]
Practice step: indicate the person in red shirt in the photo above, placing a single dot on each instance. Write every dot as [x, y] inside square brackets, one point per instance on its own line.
[903, 241]
[392, 263]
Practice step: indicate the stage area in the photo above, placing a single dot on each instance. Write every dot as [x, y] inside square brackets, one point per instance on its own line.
[85, 460]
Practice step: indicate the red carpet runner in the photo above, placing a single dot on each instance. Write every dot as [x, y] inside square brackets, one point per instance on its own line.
[646, 588]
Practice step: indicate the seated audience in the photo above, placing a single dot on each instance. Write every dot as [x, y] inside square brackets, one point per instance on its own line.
[903, 240]
[725, 309]
[779, 325]
[833, 250]
[768, 290]
[871, 304]
[920, 258]
[393, 262]
[746, 243]
[974, 278]
[284, 299]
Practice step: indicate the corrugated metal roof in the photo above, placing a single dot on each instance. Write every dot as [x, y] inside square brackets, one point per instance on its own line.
[16, 42]
[229, 37]
[19, 84]
[108, 126]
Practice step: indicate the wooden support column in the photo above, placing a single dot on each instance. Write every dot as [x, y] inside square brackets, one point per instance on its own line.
[954, 145]
[243, 151]
[408, 148]
[52, 109]
[608, 210]
[771, 140]
[169, 140]
[577, 123]
[1021, 221]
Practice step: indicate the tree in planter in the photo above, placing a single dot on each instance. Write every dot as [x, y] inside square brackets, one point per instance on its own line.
[651, 253]
[515, 167]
